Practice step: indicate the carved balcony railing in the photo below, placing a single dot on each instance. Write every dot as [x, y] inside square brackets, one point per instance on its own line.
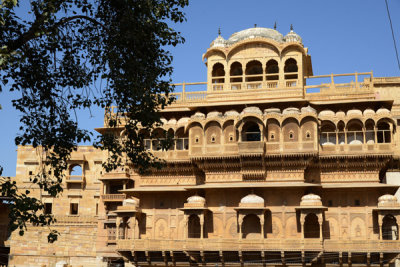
[251, 147]
[113, 197]
[291, 147]
[194, 244]
[386, 246]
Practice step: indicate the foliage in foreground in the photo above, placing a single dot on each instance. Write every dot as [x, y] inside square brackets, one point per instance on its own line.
[65, 55]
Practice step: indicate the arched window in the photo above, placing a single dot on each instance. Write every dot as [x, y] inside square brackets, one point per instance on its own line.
[251, 132]
[291, 67]
[311, 226]
[272, 68]
[390, 229]
[328, 135]
[218, 77]
[181, 139]
[194, 229]
[254, 71]
[76, 173]
[355, 133]
[236, 72]
[369, 132]
[383, 133]
[251, 227]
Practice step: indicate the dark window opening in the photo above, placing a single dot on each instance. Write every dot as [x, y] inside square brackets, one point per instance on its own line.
[114, 189]
[357, 202]
[272, 68]
[48, 208]
[252, 133]
[73, 209]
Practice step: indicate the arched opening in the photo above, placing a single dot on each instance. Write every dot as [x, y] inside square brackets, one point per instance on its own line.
[311, 226]
[390, 229]
[341, 135]
[251, 132]
[218, 76]
[271, 69]
[290, 130]
[159, 135]
[291, 69]
[251, 227]
[194, 227]
[254, 72]
[236, 74]
[328, 134]
[273, 129]
[218, 73]
[369, 132]
[76, 170]
[355, 133]
[383, 132]
[181, 139]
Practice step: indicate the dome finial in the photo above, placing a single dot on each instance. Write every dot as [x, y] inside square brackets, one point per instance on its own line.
[255, 25]
[291, 27]
[219, 31]
[275, 26]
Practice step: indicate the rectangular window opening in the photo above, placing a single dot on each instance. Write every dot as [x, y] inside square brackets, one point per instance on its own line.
[48, 208]
[73, 209]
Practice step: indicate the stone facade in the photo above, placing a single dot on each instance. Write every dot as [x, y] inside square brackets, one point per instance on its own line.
[265, 169]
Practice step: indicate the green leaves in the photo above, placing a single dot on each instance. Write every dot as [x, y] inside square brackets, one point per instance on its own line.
[68, 55]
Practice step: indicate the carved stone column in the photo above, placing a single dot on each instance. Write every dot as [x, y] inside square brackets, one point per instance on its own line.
[262, 225]
[117, 222]
[302, 220]
[201, 225]
[240, 225]
[320, 222]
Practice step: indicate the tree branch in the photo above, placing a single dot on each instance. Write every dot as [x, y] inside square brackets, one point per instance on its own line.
[32, 33]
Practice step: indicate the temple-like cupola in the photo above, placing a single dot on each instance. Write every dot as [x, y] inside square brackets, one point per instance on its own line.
[292, 37]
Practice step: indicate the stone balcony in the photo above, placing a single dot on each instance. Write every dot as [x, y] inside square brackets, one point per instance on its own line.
[251, 148]
[194, 244]
[349, 149]
[113, 197]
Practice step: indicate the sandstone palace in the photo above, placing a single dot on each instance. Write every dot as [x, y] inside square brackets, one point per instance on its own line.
[271, 166]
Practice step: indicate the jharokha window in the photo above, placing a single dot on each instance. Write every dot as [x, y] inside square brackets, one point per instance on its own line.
[251, 132]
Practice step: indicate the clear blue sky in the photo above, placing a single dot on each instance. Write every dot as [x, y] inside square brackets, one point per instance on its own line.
[342, 36]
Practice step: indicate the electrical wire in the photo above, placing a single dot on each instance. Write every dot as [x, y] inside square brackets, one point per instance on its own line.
[394, 39]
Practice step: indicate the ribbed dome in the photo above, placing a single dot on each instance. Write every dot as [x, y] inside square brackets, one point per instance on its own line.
[214, 114]
[291, 110]
[255, 110]
[308, 109]
[354, 112]
[369, 112]
[218, 42]
[196, 200]
[311, 200]
[164, 120]
[383, 111]
[254, 33]
[326, 112]
[198, 115]
[231, 113]
[272, 110]
[340, 114]
[172, 121]
[387, 201]
[183, 120]
[292, 37]
[252, 199]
